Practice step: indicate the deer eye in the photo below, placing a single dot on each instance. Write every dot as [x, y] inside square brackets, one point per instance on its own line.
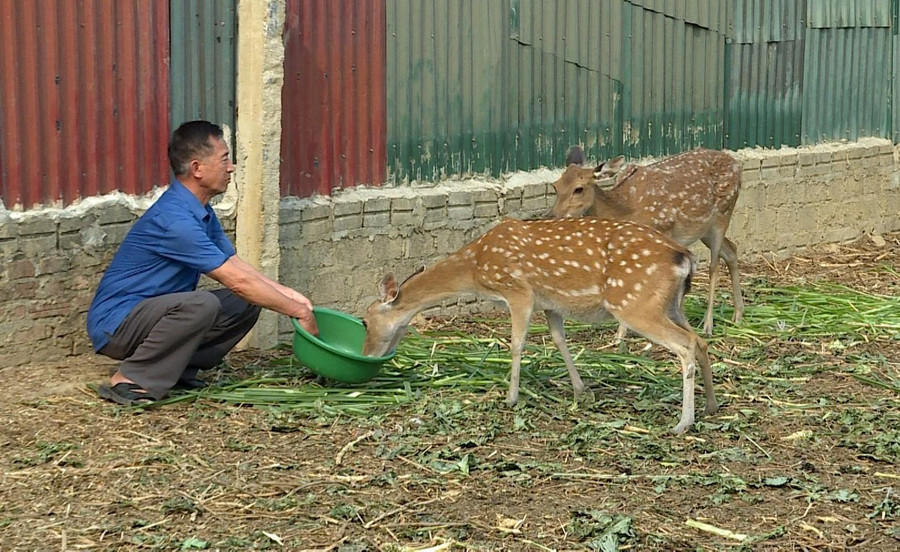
[365, 324]
[578, 190]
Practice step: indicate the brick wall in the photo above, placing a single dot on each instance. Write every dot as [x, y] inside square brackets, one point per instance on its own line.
[53, 261]
[336, 249]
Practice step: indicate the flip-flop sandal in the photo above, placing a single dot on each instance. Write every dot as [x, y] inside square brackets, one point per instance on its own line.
[190, 384]
[125, 393]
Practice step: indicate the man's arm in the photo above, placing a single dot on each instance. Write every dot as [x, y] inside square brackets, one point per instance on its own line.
[290, 293]
[254, 287]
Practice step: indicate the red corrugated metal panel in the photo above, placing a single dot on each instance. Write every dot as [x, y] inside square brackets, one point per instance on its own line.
[84, 99]
[333, 118]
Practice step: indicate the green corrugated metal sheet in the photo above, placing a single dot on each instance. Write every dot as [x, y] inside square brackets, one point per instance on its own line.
[758, 21]
[478, 86]
[895, 43]
[702, 13]
[765, 60]
[673, 96]
[831, 14]
[847, 84]
[203, 60]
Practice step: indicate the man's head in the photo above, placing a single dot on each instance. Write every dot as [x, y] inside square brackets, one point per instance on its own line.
[199, 155]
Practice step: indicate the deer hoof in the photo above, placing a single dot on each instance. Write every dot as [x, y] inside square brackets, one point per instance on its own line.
[711, 408]
[586, 395]
[512, 399]
[682, 426]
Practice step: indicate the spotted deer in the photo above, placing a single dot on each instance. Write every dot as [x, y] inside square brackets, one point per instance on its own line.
[587, 269]
[688, 197]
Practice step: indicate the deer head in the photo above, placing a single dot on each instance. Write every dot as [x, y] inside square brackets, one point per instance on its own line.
[577, 188]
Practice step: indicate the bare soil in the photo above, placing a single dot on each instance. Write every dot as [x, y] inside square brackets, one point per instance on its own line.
[802, 455]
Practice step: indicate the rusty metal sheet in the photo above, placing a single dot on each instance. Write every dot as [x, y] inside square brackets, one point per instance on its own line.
[84, 99]
[333, 117]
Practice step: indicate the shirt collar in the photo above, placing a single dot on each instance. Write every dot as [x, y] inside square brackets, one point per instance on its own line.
[199, 210]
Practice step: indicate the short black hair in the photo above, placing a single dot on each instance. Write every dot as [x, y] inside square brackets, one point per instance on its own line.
[190, 141]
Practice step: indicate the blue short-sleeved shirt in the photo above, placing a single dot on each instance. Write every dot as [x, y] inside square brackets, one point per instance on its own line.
[165, 251]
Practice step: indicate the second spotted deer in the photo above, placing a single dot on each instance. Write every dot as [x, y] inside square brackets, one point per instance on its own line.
[587, 269]
[688, 197]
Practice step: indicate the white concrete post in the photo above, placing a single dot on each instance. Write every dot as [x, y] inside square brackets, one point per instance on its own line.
[260, 76]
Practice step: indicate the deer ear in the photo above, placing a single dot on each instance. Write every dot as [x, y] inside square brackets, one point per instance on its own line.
[575, 156]
[609, 168]
[388, 289]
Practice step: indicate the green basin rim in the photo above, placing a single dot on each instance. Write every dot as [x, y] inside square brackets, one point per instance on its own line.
[333, 349]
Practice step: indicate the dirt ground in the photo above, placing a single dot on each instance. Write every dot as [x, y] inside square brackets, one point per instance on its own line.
[802, 455]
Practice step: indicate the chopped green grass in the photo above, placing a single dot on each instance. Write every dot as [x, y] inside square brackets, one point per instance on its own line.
[463, 363]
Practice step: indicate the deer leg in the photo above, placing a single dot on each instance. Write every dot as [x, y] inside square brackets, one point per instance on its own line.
[662, 330]
[676, 314]
[520, 315]
[729, 255]
[713, 242]
[621, 334]
[701, 351]
[558, 333]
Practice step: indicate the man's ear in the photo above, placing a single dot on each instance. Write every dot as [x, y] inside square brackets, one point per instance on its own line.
[195, 169]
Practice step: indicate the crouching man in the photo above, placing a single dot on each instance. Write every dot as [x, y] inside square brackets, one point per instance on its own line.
[147, 311]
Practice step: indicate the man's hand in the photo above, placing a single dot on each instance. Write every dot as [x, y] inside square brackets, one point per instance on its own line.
[307, 321]
[296, 296]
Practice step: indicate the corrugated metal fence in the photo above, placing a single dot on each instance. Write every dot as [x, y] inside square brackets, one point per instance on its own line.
[84, 101]
[501, 85]
[396, 90]
[203, 61]
[333, 118]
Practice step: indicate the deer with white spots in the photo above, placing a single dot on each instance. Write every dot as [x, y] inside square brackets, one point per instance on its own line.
[688, 197]
[587, 269]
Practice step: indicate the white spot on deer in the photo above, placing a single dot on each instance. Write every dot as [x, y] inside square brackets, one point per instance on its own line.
[651, 269]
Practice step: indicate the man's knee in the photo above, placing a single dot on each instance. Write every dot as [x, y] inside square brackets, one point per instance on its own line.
[253, 312]
[204, 304]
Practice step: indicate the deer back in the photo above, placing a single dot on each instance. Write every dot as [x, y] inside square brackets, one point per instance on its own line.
[581, 268]
[682, 196]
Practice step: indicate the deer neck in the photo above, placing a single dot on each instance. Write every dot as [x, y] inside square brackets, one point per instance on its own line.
[451, 277]
[611, 203]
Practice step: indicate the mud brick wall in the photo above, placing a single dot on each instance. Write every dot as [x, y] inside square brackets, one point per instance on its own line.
[53, 262]
[795, 197]
[336, 249]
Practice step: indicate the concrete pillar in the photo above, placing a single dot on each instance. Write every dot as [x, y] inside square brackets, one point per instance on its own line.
[260, 76]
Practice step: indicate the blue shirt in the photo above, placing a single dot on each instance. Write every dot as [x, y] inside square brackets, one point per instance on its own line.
[166, 250]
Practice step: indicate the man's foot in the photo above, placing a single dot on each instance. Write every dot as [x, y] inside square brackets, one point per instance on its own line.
[190, 384]
[129, 394]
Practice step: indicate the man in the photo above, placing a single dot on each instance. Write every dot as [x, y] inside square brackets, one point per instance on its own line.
[147, 311]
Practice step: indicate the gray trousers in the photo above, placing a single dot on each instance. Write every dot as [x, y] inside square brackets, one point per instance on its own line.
[166, 338]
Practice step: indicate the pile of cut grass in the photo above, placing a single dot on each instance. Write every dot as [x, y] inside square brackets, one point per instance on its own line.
[454, 361]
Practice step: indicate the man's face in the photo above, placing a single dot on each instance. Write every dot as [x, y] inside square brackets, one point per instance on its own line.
[217, 168]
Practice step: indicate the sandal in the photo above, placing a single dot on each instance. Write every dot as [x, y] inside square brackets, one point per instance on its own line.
[190, 384]
[129, 394]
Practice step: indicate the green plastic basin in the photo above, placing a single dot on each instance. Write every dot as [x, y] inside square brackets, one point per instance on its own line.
[336, 353]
